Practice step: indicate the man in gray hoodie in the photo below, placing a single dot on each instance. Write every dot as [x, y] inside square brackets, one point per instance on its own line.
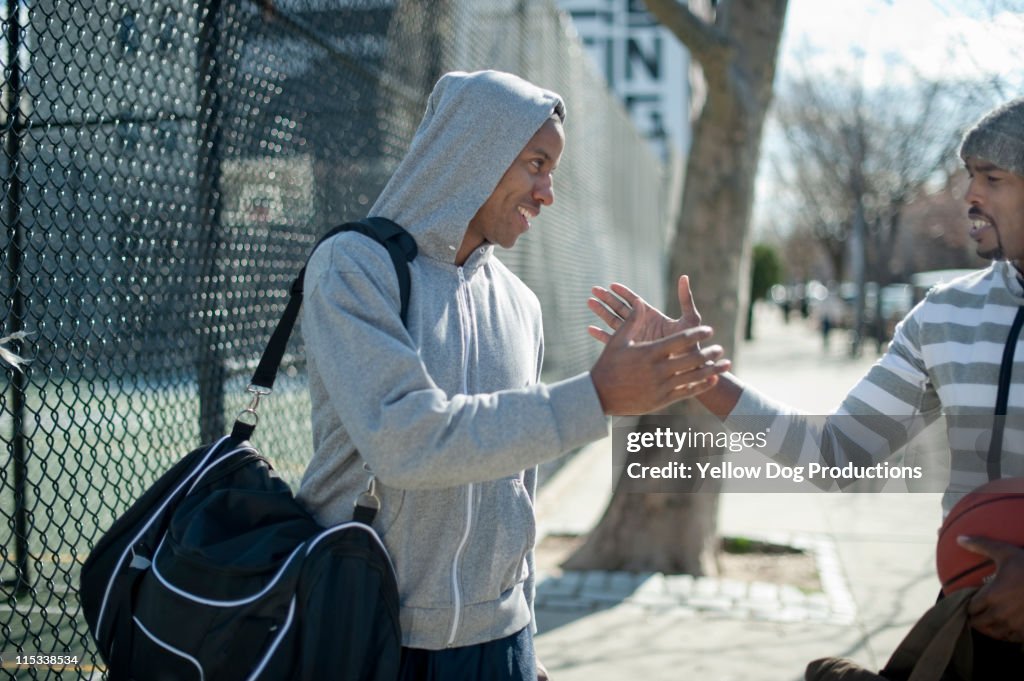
[447, 411]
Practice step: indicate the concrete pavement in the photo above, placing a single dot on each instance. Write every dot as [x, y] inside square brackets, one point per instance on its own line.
[874, 554]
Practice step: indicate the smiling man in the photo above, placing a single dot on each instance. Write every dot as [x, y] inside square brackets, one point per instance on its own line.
[447, 411]
[996, 191]
[527, 185]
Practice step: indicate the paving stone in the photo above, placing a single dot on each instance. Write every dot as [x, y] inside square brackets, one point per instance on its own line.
[594, 581]
[705, 586]
[818, 601]
[562, 604]
[652, 586]
[714, 603]
[606, 597]
[566, 585]
[790, 595]
[680, 586]
[624, 583]
[763, 591]
[732, 588]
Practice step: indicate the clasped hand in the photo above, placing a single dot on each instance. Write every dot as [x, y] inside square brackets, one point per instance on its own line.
[650, 360]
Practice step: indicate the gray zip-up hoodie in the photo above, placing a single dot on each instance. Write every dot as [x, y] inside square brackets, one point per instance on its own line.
[447, 413]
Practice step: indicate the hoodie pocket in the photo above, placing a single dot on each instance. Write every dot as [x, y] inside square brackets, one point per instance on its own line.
[423, 540]
[391, 501]
[503, 536]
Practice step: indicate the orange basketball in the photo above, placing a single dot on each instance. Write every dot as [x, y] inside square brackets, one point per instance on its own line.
[996, 511]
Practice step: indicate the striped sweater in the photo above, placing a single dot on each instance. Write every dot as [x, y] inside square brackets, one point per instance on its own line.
[944, 361]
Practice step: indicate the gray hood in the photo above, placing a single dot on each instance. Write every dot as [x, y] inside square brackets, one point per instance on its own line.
[474, 127]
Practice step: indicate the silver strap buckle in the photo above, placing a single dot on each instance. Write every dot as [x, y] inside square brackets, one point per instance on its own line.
[248, 416]
[369, 498]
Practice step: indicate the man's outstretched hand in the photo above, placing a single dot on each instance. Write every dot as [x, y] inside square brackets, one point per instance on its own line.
[651, 361]
[614, 305]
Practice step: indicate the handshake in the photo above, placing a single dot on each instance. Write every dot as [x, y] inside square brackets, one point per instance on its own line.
[650, 360]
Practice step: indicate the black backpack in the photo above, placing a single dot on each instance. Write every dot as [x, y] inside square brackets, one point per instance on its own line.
[217, 572]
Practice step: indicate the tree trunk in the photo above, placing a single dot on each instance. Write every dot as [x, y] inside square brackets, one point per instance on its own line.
[677, 532]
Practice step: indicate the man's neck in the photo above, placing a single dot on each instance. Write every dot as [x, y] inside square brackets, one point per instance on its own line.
[469, 244]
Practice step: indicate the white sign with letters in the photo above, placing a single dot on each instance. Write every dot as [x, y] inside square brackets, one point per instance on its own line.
[644, 64]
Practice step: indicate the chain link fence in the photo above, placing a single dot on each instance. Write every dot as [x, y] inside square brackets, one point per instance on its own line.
[166, 168]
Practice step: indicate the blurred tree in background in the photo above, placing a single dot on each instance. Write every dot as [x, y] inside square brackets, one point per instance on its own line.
[765, 271]
[867, 168]
[857, 157]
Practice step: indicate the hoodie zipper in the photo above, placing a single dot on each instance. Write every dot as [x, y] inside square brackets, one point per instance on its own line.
[465, 316]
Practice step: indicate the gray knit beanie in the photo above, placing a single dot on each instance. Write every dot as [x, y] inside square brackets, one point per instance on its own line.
[998, 138]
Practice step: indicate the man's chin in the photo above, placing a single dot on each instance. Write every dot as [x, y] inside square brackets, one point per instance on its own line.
[991, 253]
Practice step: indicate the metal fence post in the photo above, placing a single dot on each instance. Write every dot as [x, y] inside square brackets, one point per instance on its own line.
[15, 127]
[210, 358]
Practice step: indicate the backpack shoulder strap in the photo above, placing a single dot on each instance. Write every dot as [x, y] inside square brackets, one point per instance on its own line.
[402, 250]
[940, 640]
[399, 243]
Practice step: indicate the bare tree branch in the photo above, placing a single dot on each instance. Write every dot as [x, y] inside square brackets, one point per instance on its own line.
[861, 155]
[704, 41]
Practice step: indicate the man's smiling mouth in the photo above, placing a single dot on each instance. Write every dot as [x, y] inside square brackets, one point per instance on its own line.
[528, 214]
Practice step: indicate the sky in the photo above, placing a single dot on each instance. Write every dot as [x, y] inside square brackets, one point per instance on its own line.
[893, 42]
[939, 38]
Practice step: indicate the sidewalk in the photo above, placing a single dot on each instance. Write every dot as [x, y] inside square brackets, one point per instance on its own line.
[874, 555]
